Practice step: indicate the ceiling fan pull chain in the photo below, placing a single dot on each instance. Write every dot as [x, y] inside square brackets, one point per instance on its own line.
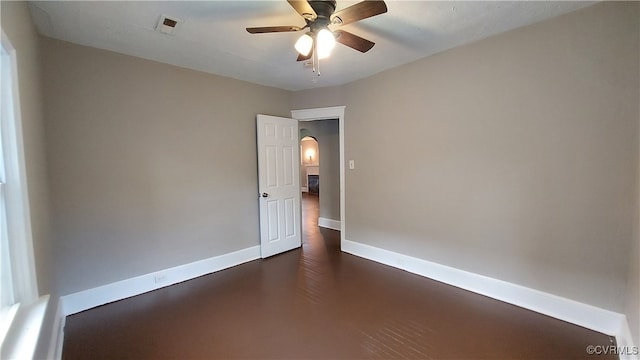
[314, 57]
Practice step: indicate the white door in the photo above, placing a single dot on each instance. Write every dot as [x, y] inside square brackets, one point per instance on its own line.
[278, 184]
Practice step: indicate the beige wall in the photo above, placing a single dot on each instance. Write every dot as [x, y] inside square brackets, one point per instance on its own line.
[152, 165]
[17, 25]
[314, 98]
[633, 277]
[513, 157]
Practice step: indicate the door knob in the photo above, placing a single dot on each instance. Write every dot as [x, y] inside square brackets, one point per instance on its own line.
[265, 195]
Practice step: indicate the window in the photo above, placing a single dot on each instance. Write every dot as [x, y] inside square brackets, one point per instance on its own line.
[7, 311]
[17, 270]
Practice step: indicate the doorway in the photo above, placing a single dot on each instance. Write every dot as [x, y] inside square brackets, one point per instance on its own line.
[320, 181]
[321, 162]
[331, 175]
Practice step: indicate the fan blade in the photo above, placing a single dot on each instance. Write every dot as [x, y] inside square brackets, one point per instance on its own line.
[359, 11]
[353, 41]
[303, 8]
[271, 29]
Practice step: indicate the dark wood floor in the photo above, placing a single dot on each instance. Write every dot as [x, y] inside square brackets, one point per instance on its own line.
[316, 302]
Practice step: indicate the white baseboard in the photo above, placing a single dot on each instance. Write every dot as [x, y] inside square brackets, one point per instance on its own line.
[624, 339]
[329, 223]
[87, 299]
[589, 316]
[585, 315]
[304, 189]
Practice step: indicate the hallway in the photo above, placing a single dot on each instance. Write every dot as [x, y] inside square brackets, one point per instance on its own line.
[317, 302]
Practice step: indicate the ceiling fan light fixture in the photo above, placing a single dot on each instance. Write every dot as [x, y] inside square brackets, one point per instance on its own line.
[304, 44]
[319, 41]
[325, 42]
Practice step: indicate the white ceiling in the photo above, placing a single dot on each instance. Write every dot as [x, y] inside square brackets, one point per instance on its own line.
[212, 36]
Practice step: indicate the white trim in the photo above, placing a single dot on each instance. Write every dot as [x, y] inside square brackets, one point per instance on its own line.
[624, 339]
[329, 223]
[57, 334]
[585, 315]
[17, 195]
[333, 112]
[304, 189]
[6, 319]
[87, 299]
[22, 338]
[19, 339]
[323, 114]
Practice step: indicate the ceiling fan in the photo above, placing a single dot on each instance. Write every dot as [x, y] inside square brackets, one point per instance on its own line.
[319, 15]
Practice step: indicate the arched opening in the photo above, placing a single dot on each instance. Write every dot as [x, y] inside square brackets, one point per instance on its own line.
[310, 165]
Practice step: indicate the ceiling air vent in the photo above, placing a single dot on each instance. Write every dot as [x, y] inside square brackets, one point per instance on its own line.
[167, 25]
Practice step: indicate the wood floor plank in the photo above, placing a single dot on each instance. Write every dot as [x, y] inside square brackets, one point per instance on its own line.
[319, 303]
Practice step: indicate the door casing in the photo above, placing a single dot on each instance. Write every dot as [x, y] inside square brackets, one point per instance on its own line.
[326, 113]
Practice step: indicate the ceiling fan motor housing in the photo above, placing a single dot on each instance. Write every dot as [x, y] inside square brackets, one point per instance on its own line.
[323, 7]
[324, 10]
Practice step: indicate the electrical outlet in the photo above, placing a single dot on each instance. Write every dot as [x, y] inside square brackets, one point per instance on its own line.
[161, 278]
